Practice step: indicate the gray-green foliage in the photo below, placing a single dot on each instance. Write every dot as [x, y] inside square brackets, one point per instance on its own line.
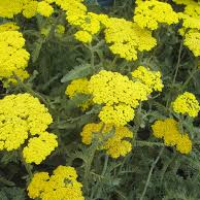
[55, 61]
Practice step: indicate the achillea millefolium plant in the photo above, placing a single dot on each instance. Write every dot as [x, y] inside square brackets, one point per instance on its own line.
[99, 100]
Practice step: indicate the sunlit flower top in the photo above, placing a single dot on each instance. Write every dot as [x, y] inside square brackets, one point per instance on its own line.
[23, 117]
[118, 94]
[186, 104]
[112, 88]
[114, 140]
[79, 86]
[61, 185]
[168, 130]
[13, 58]
[152, 79]
[126, 38]
[151, 13]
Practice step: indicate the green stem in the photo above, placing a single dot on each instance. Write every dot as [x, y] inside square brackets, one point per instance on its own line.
[88, 165]
[146, 143]
[150, 173]
[105, 165]
[92, 56]
[178, 63]
[27, 166]
[194, 71]
[28, 89]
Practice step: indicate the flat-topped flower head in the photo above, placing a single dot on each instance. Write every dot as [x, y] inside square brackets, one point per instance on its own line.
[152, 79]
[186, 104]
[112, 87]
[14, 57]
[149, 14]
[61, 185]
[112, 139]
[126, 38]
[168, 130]
[22, 118]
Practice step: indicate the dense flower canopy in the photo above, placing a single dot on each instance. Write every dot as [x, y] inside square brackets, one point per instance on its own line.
[23, 117]
[61, 185]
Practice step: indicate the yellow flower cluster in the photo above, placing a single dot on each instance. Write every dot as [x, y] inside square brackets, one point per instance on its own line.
[126, 38]
[61, 185]
[23, 117]
[152, 79]
[111, 139]
[118, 94]
[119, 114]
[113, 88]
[191, 26]
[40, 147]
[44, 9]
[77, 15]
[9, 26]
[169, 131]
[190, 15]
[14, 8]
[150, 13]
[83, 36]
[186, 103]
[14, 58]
[60, 29]
[192, 41]
[79, 86]
[29, 8]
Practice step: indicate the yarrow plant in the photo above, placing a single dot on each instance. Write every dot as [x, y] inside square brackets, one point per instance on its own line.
[99, 99]
[62, 184]
[24, 118]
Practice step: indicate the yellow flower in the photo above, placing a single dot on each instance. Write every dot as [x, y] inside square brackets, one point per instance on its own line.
[126, 38]
[110, 138]
[30, 9]
[26, 7]
[168, 130]
[44, 9]
[40, 147]
[13, 56]
[10, 8]
[60, 29]
[184, 144]
[117, 148]
[186, 103]
[91, 23]
[111, 88]
[192, 41]
[21, 117]
[37, 184]
[61, 185]
[22, 74]
[9, 26]
[162, 127]
[149, 14]
[119, 114]
[83, 36]
[79, 86]
[184, 2]
[118, 94]
[151, 79]
[75, 11]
